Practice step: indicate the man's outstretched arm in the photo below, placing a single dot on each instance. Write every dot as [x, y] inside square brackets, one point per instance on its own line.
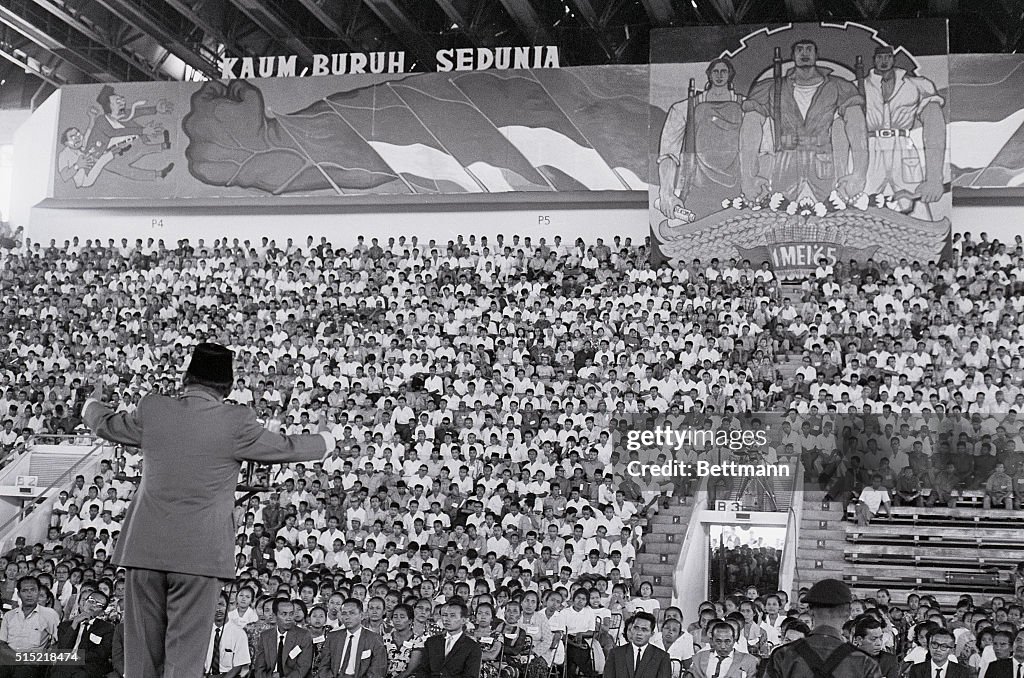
[124, 428]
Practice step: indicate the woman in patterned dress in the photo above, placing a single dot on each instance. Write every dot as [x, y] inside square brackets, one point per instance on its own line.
[536, 624]
[405, 649]
[518, 644]
[424, 623]
[487, 632]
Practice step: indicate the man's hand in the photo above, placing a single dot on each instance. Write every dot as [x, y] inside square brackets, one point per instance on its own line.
[755, 188]
[669, 203]
[850, 186]
[930, 190]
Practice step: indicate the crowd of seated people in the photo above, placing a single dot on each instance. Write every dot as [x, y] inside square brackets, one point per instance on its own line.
[475, 389]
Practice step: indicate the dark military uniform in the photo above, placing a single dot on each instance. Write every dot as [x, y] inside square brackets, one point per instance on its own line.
[824, 653]
[796, 660]
[888, 664]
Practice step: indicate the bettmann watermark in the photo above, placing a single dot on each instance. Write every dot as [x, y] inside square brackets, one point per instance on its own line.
[670, 452]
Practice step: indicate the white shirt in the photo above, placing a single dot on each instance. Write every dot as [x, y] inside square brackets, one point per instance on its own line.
[773, 631]
[722, 669]
[681, 649]
[243, 621]
[449, 641]
[638, 654]
[936, 668]
[234, 648]
[579, 622]
[353, 659]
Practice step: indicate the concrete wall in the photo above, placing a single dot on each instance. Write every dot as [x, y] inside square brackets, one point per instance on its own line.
[341, 229]
[33, 157]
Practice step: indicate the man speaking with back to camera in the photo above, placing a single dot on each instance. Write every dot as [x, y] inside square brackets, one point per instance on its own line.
[178, 533]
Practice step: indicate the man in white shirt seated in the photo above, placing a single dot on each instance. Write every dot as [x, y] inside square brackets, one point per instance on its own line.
[228, 654]
[872, 500]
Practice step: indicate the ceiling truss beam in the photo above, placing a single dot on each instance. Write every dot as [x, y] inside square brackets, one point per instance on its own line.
[404, 28]
[99, 60]
[141, 14]
[526, 17]
[265, 16]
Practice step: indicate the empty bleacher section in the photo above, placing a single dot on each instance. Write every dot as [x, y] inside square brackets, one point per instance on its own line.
[50, 464]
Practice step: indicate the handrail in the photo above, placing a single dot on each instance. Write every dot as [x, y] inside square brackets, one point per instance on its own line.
[42, 496]
[789, 567]
[43, 438]
[700, 503]
[735, 488]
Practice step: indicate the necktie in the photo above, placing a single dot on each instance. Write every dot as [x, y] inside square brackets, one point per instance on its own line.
[636, 659]
[280, 654]
[1020, 670]
[448, 642]
[346, 655]
[83, 628]
[718, 667]
[215, 659]
[938, 673]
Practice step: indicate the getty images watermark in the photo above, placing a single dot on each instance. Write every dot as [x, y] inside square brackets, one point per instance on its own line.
[671, 452]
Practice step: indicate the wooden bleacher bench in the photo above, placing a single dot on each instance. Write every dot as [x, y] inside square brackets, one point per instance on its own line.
[947, 517]
[931, 556]
[878, 532]
[959, 582]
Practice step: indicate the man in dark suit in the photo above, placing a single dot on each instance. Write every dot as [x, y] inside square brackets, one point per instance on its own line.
[937, 665]
[353, 651]
[1012, 666]
[453, 654]
[638, 658]
[178, 537]
[868, 638]
[92, 637]
[284, 650]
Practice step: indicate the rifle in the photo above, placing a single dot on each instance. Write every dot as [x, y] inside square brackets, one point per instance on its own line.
[688, 157]
[777, 98]
[859, 71]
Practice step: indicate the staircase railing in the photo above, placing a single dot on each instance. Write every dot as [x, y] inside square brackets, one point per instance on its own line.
[772, 494]
[34, 528]
[687, 582]
[789, 566]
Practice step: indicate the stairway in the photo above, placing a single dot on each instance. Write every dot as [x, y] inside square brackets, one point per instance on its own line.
[791, 291]
[663, 540]
[50, 462]
[787, 364]
[822, 540]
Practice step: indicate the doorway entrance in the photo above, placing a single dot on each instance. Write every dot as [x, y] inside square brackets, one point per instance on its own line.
[744, 556]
